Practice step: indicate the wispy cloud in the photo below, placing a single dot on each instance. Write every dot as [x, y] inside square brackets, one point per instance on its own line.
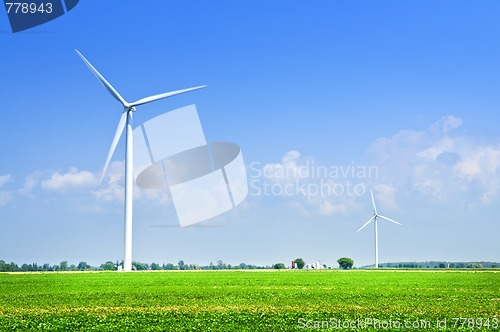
[113, 189]
[79, 189]
[4, 179]
[31, 181]
[73, 179]
[439, 162]
[309, 186]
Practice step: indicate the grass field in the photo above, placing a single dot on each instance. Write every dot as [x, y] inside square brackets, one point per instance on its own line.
[250, 301]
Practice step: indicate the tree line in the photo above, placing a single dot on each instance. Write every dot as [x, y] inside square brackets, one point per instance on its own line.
[440, 265]
[344, 263]
[113, 266]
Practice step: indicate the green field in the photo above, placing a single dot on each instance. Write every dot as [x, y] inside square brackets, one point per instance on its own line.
[249, 301]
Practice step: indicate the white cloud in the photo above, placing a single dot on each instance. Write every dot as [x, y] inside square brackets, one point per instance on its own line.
[448, 123]
[481, 166]
[31, 182]
[439, 162]
[80, 189]
[113, 190]
[309, 187]
[4, 179]
[74, 179]
[286, 171]
[386, 195]
[115, 172]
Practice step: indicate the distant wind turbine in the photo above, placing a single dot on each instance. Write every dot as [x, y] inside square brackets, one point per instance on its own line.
[374, 219]
[126, 120]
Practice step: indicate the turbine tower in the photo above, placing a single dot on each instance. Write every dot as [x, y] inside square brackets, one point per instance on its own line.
[374, 219]
[126, 121]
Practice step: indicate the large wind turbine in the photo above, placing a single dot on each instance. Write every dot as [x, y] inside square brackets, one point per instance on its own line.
[126, 120]
[374, 219]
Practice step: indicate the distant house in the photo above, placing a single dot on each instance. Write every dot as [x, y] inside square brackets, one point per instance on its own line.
[314, 266]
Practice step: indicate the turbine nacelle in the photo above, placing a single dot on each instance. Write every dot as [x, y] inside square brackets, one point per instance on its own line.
[126, 106]
[376, 215]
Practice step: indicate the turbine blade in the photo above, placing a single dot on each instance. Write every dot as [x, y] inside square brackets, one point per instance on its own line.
[389, 219]
[369, 221]
[163, 95]
[118, 133]
[373, 202]
[103, 81]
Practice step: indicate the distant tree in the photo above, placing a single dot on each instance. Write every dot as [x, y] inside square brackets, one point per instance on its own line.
[12, 267]
[4, 267]
[494, 266]
[243, 266]
[63, 266]
[452, 265]
[108, 266]
[139, 266]
[442, 265]
[300, 263]
[83, 266]
[475, 266]
[181, 265]
[155, 266]
[345, 263]
[168, 266]
[279, 266]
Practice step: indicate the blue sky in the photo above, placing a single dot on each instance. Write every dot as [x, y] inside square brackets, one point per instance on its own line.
[410, 87]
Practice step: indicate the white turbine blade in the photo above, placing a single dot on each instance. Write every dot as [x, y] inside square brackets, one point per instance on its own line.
[389, 219]
[103, 81]
[163, 95]
[118, 133]
[373, 202]
[366, 223]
